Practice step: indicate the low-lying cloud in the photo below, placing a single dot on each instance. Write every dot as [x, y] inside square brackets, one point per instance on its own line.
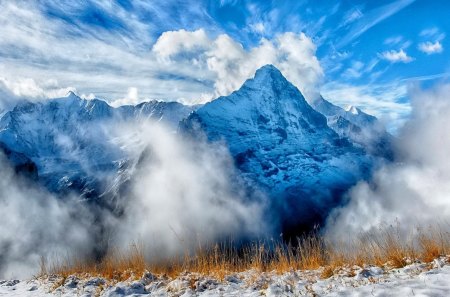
[413, 191]
[185, 193]
[180, 194]
[35, 224]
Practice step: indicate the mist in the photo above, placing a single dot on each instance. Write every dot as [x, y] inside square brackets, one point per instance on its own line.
[185, 193]
[34, 224]
[412, 192]
[180, 194]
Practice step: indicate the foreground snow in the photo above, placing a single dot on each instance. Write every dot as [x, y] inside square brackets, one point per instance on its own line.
[417, 279]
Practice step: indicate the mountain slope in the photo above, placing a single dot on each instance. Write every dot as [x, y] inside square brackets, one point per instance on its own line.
[361, 128]
[282, 144]
[72, 141]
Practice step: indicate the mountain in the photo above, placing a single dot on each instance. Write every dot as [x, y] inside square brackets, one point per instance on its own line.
[283, 145]
[72, 141]
[302, 157]
[171, 113]
[361, 128]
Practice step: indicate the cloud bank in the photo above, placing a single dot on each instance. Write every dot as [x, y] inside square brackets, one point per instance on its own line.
[413, 191]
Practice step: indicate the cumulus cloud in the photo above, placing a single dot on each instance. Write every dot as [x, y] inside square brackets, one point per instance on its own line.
[174, 42]
[394, 56]
[413, 191]
[431, 47]
[231, 63]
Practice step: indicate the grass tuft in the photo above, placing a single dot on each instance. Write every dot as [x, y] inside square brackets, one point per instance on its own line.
[385, 247]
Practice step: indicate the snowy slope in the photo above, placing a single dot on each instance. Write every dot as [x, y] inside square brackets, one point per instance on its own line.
[71, 140]
[417, 279]
[279, 142]
[282, 144]
[352, 123]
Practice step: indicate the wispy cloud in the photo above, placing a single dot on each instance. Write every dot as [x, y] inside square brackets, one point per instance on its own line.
[431, 47]
[372, 18]
[58, 42]
[396, 56]
[442, 75]
[432, 33]
[351, 16]
[394, 40]
[52, 44]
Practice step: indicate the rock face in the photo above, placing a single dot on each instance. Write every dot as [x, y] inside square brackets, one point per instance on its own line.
[283, 145]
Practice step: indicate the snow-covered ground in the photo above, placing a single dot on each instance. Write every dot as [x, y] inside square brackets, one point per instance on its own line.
[416, 279]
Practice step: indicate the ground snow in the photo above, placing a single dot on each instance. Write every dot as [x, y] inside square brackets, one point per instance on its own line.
[417, 279]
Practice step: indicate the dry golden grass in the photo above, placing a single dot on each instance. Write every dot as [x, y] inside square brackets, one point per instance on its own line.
[384, 247]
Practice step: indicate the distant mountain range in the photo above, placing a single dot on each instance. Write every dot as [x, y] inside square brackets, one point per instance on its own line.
[303, 156]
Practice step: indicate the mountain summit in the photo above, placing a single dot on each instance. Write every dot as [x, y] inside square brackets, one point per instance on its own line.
[282, 144]
[302, 158]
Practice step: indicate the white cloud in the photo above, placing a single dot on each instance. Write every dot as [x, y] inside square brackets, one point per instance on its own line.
[257, 27]
[94, 60]
[396, 56]
[355, 71]
[393, 40]
[430, 47]
[371, 18]
[433, 33]
[174, 42]
[412, 192]
[132, 98]
[231, 64]
[29, 88]
[106, 63]
[174, 211]
[351, 16]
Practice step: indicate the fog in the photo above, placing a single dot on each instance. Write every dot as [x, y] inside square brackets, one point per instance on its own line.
[412, 192]
[35, 224]
[180, 194]
[185, 193]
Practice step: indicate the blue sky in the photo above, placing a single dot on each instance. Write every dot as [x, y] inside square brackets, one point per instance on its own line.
[365, 53]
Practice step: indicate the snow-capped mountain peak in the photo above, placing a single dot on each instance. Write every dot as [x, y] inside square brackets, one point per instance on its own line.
[353, 109]
[282, 144]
